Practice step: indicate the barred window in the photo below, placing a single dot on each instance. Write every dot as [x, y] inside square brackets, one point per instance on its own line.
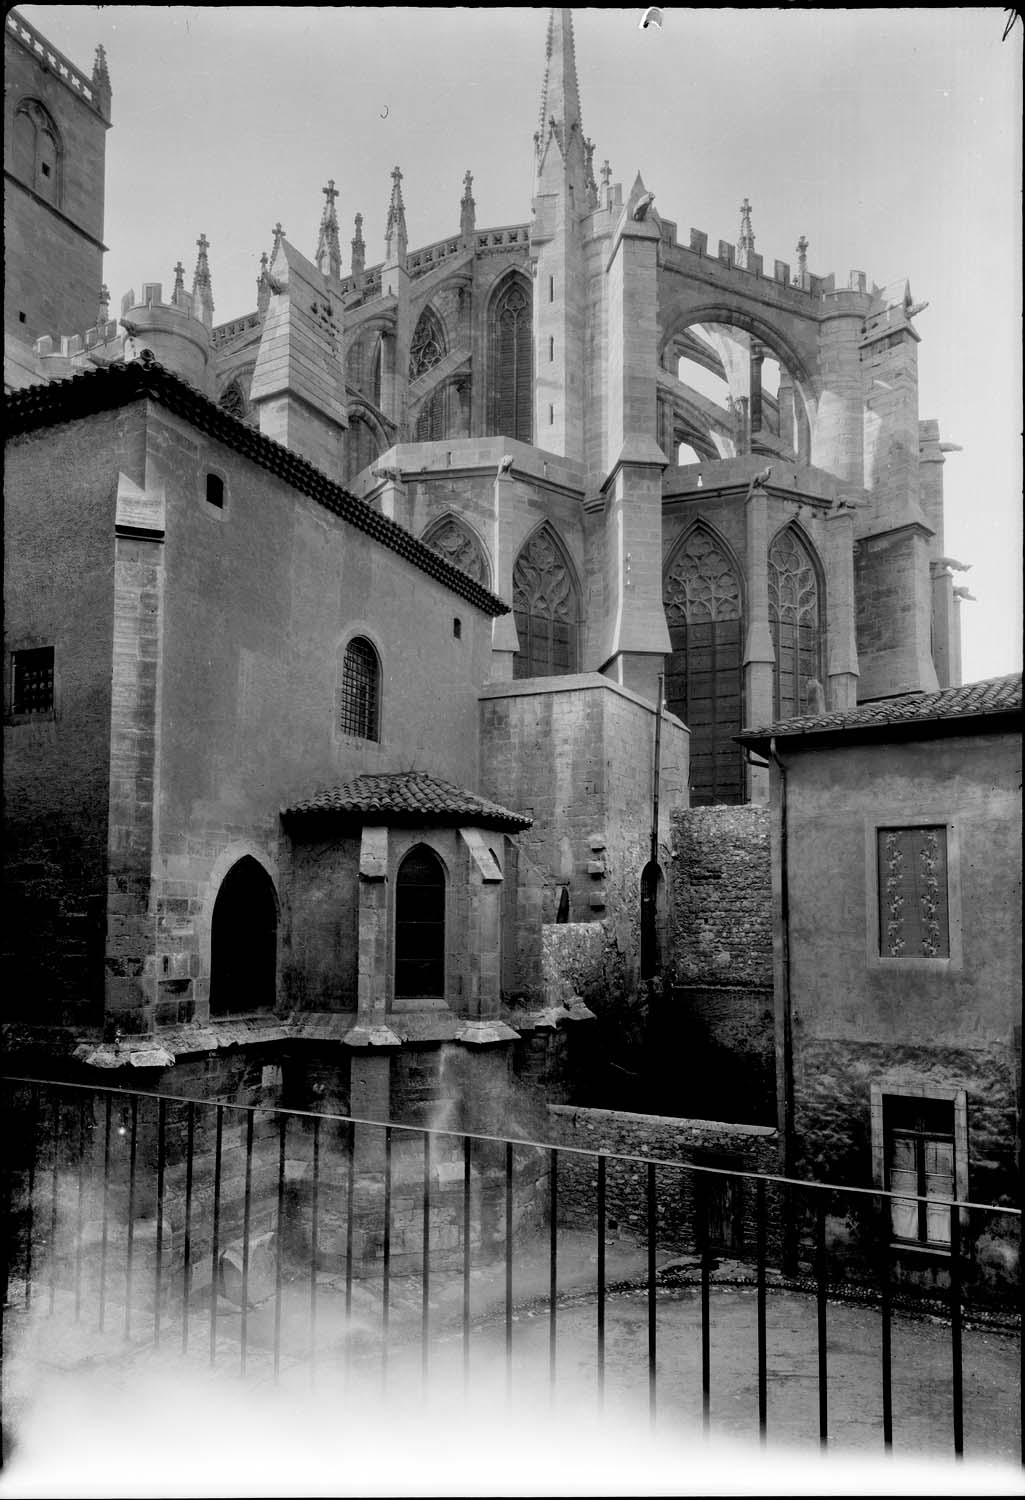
[914, 907]
[32, 681]
[359, 698]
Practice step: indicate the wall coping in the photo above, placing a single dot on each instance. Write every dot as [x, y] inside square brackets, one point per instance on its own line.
[576, 682]
[627, 1117]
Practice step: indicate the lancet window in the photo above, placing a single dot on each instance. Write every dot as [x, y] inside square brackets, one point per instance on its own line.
[511, 376]
[704, 670]
[546, 608]
[795, 619]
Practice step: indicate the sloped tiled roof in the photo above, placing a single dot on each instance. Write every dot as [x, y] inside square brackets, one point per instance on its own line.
[974, 700]
[409, 797]
[117, 385]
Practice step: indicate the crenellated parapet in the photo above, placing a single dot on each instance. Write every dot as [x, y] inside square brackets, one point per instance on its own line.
[169, 331]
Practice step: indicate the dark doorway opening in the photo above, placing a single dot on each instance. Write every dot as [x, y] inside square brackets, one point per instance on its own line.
[420, 925]
[244, 945]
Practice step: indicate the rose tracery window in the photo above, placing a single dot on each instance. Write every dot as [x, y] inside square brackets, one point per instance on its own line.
[704, 671]
[545, 608]
[795, 616]
[428, 346]
[459, 546]
[511, 375]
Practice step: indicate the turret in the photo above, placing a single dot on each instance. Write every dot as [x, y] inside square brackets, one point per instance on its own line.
[170, 331]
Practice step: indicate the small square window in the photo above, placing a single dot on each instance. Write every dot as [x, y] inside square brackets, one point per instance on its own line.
[46, 168]
[32, 681]
[215, 491]
[457, 628]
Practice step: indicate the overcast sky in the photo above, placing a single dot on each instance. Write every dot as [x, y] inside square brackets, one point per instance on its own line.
[890, 138]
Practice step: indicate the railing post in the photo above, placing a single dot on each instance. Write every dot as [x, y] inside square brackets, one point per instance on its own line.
[957, 1370]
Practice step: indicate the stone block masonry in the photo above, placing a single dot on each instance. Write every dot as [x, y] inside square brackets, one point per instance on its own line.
[684, 1200]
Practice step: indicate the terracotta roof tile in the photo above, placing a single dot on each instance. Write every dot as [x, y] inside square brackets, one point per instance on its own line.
[409, 797]
[995, 695]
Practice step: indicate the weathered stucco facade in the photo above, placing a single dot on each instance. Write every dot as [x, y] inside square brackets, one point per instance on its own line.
[896, 877]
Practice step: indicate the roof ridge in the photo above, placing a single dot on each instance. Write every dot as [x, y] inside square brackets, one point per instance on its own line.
[37, 406]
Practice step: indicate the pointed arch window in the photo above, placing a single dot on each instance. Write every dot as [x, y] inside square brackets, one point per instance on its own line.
[704, 670]
[511, 375]
[546, 608]
[420, 925]
[795, 619]
[432, 423]
[459, 546]
[38, 152]
[428, 346]
[232, 400]
[359, 694]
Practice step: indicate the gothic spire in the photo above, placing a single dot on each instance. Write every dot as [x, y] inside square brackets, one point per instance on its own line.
[202, 292]
[560, 95]
[329, 251]
[467, 209]
[395, 230]
[359, 248]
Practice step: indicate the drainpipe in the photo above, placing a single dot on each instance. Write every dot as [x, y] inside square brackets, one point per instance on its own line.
[784, 1035]
[657, 772]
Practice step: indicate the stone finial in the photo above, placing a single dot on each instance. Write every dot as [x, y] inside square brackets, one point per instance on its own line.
[329, 250]
[359, 248]
[178, 295]
[263, 285]
[103, 311]
[802, 260]
[606, 174]
[591, 184]
[467, 208]
[202, 292]
[101, 82]
[746, 240]
[279, 235]
[395, 230]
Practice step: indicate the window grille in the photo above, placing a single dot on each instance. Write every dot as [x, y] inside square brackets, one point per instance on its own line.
[32, 681]
[545, 609]
[795, 616]
[358, 708]
[919, 1145]
[704, 671]
[914, 914]
[420, 925]
[511, 373]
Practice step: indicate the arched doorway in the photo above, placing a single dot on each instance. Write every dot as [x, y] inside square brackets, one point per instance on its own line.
[420, 925]
[244, 941]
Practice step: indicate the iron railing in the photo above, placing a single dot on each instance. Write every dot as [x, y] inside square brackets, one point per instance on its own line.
[121, 1203]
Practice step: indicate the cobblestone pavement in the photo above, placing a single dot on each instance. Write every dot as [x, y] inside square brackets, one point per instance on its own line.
[89, 1411]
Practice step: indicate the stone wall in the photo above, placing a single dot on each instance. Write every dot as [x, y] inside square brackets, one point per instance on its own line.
[682, 1198]
[59, 591]
[716, 1021]
[577, 753]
